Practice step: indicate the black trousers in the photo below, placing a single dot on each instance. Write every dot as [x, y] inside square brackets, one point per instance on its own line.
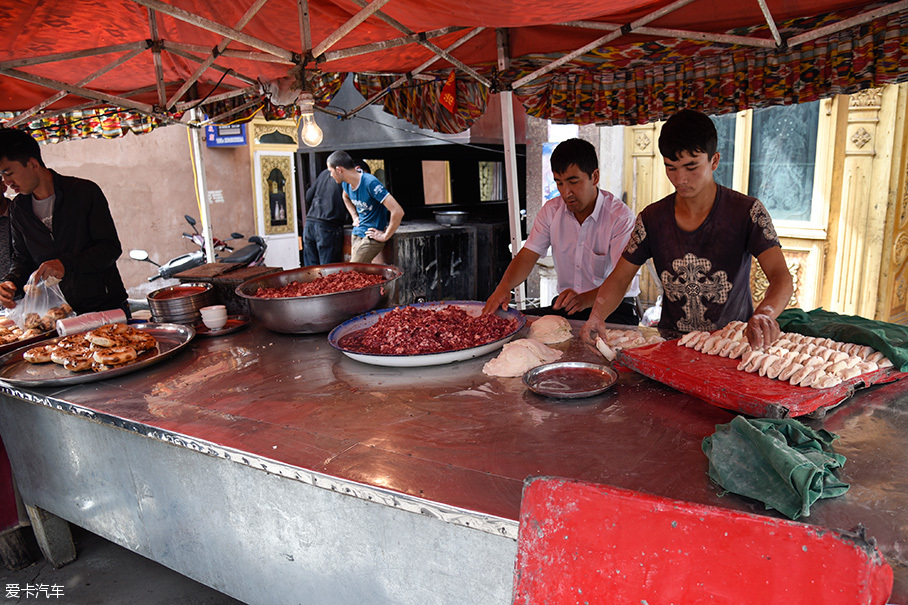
[625, 314]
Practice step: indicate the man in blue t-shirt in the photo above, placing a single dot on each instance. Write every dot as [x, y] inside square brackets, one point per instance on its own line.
[376, 214]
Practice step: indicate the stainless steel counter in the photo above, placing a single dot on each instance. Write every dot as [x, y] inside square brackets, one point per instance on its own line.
[261, 459]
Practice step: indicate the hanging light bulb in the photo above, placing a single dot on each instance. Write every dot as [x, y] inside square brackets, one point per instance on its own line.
[311, 133]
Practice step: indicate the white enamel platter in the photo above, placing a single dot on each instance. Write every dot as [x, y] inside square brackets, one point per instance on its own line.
[17, 372]
[426, 359]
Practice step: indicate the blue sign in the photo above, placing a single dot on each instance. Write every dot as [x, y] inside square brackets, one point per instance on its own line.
[232, 135]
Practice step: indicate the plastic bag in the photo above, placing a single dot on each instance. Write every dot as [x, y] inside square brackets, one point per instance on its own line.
[652, 315]
[41, 306]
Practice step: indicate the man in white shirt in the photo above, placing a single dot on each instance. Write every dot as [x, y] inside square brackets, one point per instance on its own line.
[586, 228]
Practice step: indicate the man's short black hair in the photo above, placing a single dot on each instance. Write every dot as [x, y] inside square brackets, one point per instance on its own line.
[689, 131]
[575, 151]
[340, 159]
[19, 146]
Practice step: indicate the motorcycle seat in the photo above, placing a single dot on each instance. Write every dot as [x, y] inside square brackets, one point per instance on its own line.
[244, 255]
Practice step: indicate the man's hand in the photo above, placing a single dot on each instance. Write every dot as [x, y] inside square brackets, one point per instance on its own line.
[762, 330]
[498, 300]
[7, 291]
[573, 302]
[592, 329]
[50, 268]
[379, 236]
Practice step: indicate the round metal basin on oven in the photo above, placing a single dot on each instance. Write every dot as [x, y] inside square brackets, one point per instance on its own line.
[318, 312]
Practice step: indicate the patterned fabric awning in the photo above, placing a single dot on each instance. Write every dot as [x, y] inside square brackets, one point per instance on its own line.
[651, 81]
[617, 62]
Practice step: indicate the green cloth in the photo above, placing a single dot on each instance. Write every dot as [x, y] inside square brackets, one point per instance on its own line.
[890, 339]
[782, 463]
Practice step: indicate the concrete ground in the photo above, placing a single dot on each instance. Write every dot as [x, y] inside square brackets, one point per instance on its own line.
[105, 574]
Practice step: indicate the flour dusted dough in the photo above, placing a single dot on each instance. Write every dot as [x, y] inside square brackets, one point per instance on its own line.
[519, 356]
[550, 329]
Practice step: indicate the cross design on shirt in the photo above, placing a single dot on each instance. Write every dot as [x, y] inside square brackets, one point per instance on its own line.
[692, 281]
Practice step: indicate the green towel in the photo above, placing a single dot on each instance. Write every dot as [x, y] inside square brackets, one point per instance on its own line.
[782, 463]
[890, 339]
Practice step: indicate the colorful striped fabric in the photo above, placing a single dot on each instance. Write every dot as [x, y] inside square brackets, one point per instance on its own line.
[419, 102]
[107, 123]
[648, 82]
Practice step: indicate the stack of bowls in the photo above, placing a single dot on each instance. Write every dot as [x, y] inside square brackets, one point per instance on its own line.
[214, 317]
[180, 304]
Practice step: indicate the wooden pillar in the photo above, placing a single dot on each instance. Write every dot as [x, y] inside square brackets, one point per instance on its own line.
[864, 204]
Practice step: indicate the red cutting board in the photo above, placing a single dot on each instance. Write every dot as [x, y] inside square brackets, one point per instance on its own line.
[717, 380]
[583, 542]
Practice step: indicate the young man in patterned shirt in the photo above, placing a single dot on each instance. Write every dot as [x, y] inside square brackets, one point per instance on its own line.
[701, 239]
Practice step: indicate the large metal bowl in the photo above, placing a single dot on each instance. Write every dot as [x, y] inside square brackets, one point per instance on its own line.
[450, 217]
[321, 312]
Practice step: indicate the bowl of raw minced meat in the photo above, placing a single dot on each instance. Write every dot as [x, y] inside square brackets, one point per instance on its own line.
[315, 299]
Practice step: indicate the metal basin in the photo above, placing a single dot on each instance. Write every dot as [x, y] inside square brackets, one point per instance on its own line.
[450, 217]
[321, 312]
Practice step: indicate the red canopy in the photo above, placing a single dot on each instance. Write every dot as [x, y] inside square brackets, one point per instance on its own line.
[615, 61]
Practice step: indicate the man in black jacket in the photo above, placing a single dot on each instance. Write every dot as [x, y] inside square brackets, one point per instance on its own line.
[61, 228]
[323, 233]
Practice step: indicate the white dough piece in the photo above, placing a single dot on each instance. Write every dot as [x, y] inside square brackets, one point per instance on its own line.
[867, 366]
[518, 356]
[742, 349]
[550, 329]
[756, 361]
[849, 373]
[767, 363]
[727, 346]
[801, 375]
[813, 361]
[836, 368]
[687, 337]
[775, 369]
[712, 344]
[825, 381]
[607, 352]
[789, 371]
[698, 337]
[875, 357]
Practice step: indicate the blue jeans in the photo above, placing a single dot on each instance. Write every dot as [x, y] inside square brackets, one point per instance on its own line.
[323, 243]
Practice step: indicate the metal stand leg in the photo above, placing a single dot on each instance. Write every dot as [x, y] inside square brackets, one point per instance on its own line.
[53, 535]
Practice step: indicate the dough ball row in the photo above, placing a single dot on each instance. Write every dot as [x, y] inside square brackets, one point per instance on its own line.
[805, 361]
[616, 339]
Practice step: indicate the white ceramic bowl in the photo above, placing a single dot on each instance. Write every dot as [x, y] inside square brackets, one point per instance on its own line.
[214, 323]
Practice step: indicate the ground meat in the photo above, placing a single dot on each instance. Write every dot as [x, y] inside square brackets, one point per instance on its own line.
[326, 284]
[413, 331]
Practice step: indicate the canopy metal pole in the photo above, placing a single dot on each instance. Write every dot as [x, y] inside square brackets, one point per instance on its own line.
[510, 156]
[196, 135]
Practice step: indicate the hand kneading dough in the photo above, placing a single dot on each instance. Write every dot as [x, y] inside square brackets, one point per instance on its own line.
[519, 356]
[550, 329]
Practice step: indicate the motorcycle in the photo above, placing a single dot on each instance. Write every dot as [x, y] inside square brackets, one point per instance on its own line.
[250, 255]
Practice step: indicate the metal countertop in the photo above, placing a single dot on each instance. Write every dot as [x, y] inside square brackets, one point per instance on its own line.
[451, 434]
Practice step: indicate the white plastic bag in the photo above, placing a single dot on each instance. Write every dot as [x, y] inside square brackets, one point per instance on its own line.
[41, 306]
[652, 315]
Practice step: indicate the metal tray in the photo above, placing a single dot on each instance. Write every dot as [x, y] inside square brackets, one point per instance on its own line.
[570, 379]
[12, 346]
[425, 359]
[18, 372]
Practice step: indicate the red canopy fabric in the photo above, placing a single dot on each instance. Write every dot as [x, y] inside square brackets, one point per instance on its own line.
[50, 45]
